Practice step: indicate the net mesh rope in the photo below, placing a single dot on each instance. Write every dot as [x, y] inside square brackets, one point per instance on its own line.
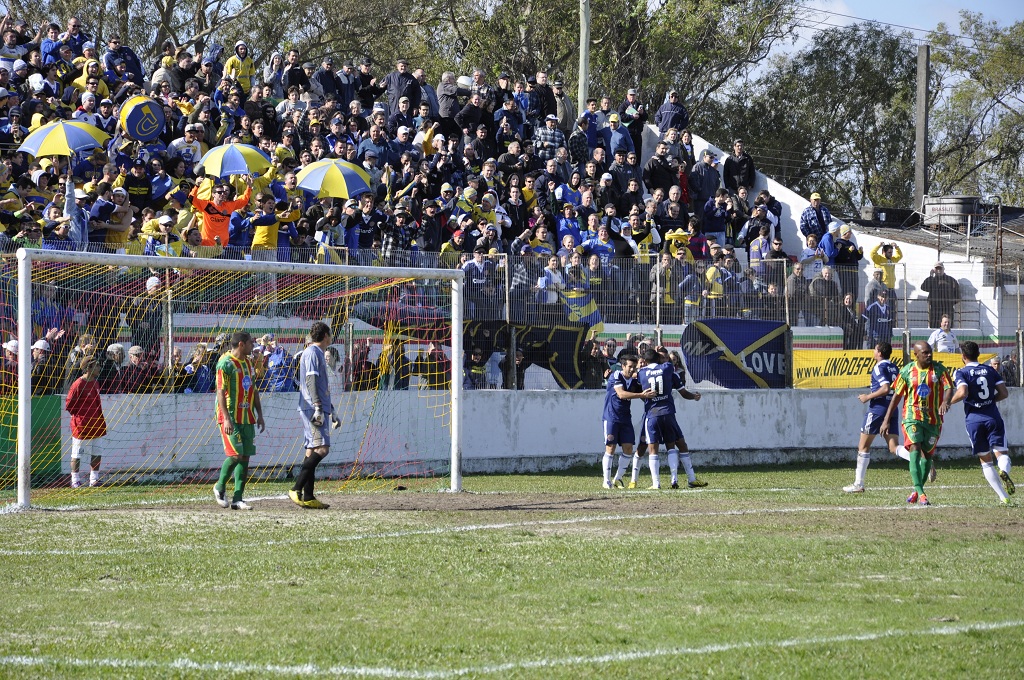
[390, 376]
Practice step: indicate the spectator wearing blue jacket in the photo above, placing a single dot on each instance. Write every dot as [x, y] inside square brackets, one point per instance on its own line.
[815, 218]
[616, 136]
[717, 211]
[672, 114]
[115, 51]
[828, 244]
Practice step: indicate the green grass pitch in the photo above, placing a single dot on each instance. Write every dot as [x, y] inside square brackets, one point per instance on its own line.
[767, 573]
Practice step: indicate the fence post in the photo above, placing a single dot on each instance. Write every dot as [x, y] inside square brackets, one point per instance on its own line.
[789, 357]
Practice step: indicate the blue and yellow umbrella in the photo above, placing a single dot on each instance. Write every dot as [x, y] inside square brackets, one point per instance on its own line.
[63, 138]
[234, 159]
[333, 178]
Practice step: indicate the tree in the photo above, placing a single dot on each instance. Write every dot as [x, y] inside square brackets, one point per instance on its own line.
[977, 124]
[836, 117]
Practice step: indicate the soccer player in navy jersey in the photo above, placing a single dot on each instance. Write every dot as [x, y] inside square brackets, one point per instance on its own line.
[660, 422]
[980, 387]
[883, 375]
[622, 388]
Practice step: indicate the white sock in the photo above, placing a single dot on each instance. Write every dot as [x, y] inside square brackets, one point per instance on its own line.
[863, 460]
[688, 466]
[94, 476]
[902, 452]
[652, 461]
[623, 464]
[75, 478]
[1004, 462]
[606, 466]
[673, 464]
[992, 477]
[634, 476]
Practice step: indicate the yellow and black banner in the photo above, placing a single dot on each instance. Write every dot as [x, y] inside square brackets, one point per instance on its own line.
[850, 369]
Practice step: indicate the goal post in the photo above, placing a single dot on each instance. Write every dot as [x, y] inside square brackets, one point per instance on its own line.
[203, 297]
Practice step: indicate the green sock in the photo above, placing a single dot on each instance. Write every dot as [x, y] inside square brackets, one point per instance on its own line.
[926, 468]
[225, 473]
[915, 471]
[241, 472]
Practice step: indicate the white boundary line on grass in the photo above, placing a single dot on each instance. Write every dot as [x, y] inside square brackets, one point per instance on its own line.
[385, 672]
[505, 525]
[599, 494]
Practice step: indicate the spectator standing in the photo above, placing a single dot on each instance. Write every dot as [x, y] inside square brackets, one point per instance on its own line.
[633, 115]
[815, 218]
[402, 83]
[848, 254]
[878, 319]
[661, 171]
[564, 108]
[704, 181]
[885, 256]
[739, 169]
[615, 136]
[671, 114]
[797, 296]
[943, 294]
[548, 139]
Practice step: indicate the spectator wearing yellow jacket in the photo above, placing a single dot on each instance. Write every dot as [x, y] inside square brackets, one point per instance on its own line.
[886, 260]
[241, 67]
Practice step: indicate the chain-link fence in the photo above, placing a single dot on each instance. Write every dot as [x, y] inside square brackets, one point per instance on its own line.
[616, 303]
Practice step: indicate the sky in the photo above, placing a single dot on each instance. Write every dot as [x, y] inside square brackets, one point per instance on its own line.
[924, 14]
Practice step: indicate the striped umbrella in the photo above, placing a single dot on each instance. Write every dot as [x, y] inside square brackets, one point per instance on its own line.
[332, 178]
[234, 159]
[63, 138]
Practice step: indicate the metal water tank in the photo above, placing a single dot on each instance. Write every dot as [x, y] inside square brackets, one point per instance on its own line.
[949, 211]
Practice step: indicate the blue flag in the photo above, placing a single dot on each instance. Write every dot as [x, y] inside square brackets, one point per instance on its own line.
[736, 353]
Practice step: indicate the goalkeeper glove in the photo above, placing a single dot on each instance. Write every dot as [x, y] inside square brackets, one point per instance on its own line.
[318, 417]
[335, 423]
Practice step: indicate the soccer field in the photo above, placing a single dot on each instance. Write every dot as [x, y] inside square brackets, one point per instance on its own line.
[766, 573]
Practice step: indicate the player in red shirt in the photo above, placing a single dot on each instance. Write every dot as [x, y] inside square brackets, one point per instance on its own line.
[87, 423]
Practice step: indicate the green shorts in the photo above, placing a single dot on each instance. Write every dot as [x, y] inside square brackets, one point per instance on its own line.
[241, 442]
[925, 435]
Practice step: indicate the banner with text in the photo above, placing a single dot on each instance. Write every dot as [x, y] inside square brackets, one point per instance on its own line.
[850, 369]
[736, 353]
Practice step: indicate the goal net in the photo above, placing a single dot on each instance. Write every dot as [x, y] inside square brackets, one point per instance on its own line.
[157, 332]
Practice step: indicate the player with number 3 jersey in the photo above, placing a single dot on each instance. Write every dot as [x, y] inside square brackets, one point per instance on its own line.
[980, 387]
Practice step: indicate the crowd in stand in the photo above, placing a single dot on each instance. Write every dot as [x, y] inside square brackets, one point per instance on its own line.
[500, 177]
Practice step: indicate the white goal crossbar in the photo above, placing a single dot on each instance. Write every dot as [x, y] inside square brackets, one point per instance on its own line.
[26, 257]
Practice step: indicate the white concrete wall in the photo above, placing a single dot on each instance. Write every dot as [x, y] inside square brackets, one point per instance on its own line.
[507, 431]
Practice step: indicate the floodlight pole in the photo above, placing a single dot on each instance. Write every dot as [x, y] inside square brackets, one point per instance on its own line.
[582, 89]
[24, 378]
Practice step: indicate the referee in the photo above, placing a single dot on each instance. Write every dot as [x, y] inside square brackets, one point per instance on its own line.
[314, 408]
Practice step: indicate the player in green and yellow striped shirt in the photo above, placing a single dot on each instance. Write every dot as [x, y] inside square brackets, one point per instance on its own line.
[928, 388]
[239, 412]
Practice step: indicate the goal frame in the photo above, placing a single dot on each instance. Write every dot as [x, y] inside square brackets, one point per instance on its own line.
[26, 257]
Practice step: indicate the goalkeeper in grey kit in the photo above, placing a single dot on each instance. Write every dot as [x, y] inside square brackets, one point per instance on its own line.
[314, 408]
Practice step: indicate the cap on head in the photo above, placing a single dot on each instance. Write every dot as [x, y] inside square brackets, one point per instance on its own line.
[152, 283]
[815, 196]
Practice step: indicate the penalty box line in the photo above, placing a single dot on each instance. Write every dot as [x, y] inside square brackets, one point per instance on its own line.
[26, 661]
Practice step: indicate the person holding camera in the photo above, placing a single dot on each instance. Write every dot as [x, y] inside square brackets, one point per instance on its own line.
[717, 212]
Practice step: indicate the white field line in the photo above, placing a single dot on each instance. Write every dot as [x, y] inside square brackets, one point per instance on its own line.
[599, 494]
[26, 661]
[492, 527]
